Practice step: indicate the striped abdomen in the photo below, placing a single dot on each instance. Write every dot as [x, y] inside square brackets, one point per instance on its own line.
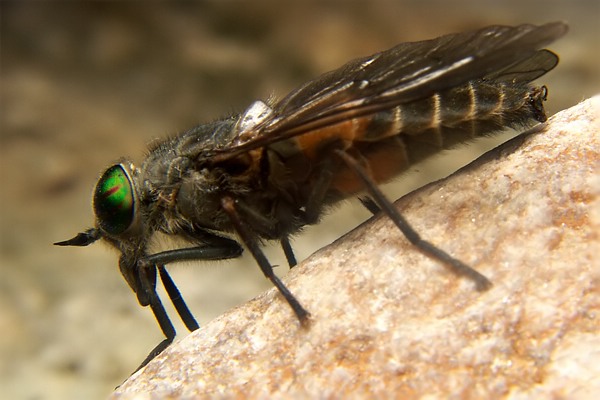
[391, 141]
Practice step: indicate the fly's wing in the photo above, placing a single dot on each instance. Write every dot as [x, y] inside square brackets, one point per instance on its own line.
[405, 73]
[527, 70]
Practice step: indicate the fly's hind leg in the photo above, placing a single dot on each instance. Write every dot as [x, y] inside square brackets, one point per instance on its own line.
[456, 266]
[370, 205]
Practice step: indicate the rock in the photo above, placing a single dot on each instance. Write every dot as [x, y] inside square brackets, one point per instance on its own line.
[389, 322]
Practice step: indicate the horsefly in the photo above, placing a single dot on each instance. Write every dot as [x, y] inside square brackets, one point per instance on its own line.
[278, 166]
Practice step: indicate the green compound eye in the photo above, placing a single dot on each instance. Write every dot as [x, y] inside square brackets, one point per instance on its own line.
[113, 201]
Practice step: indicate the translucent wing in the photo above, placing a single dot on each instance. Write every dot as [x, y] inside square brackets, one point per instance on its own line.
[405, 73]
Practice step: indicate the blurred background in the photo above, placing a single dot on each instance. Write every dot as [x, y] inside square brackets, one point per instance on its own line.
[85, 83]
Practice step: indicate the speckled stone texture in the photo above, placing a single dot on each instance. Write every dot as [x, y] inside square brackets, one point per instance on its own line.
[389, 322]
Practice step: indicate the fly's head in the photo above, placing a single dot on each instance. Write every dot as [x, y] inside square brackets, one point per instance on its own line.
[119, 220]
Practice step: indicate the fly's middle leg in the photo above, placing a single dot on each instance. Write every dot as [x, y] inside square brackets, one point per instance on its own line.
[288, 251]
[252, 243]
[322, 184]
[220, 249]
[268, 227]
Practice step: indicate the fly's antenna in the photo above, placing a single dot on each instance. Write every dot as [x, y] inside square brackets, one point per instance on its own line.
[82, 239]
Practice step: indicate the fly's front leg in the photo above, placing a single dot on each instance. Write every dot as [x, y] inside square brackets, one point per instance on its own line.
[147, 276]
[146, 285]
[177, 300]
[457, 266]
[141, 276]
[219, 250]
[251, 242]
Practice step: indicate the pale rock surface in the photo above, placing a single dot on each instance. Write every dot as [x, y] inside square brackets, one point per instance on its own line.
[389, 322]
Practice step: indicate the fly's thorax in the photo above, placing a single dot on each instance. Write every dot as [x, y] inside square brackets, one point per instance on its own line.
[187, 186]
[170, 160]
[198, 200]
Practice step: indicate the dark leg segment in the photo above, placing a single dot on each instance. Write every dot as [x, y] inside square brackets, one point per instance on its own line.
[268, 227]
[232, 250]
[458, 267]
[159, 313]
[370, 205]
[319, 191]
[251, 243]
[175, 296]
[227, 249]
[145, 286]
[288, 251]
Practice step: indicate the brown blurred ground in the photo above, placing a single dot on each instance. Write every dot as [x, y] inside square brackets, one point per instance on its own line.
[84, 84]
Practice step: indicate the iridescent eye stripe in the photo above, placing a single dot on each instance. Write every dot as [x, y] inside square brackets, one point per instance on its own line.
[115, 189]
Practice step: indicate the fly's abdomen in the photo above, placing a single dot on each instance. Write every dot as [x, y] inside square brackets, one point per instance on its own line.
[389, 142]
[476, 108]
[442, 120]
[393, 140]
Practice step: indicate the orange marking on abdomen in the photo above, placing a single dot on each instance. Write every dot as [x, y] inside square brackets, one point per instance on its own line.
[347, 132]
[383, 161]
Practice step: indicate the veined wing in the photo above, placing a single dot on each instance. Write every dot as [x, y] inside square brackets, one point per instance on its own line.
[405, 73]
